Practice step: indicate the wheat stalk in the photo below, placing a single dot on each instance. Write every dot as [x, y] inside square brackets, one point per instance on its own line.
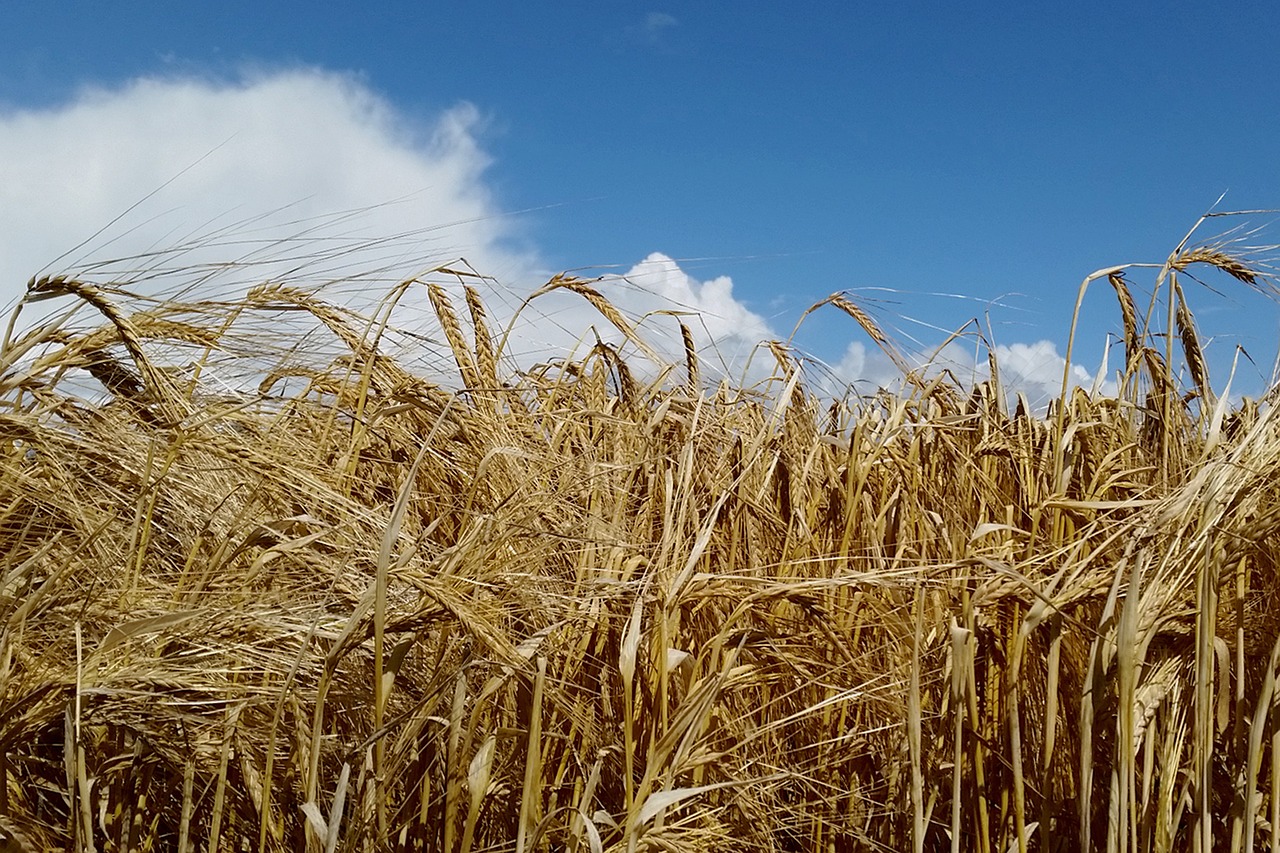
[486, 359]
[362, 611]
[453, 334]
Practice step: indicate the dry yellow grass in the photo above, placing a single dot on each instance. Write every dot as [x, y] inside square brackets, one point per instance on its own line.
[336, 606]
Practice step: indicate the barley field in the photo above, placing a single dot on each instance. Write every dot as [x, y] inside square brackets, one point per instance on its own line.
[339, 605]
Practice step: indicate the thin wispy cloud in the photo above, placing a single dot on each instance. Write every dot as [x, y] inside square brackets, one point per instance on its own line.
[656, 22]
[655, 26]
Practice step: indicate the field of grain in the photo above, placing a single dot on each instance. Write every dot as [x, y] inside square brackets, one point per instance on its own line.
[336, 605]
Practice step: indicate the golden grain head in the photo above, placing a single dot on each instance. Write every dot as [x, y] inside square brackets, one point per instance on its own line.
[340, 605]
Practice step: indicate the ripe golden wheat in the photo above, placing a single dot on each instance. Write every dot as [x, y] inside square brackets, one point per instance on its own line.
[328, 604]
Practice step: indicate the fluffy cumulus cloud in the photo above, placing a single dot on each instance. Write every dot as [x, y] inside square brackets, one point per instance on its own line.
[312, 177]
[656, 296]
[309, 176]
[305, 175]
[1037, 369]
[865, 367]
[246, 161]
[723, 328]
[1033, 370]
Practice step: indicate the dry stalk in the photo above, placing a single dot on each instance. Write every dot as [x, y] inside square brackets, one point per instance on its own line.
[605, 616]
[453, 334]
[486, 359]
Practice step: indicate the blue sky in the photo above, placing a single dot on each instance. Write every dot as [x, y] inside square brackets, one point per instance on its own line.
[969, 150]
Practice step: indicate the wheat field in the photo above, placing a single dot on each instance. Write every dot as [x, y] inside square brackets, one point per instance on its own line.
[338, 605]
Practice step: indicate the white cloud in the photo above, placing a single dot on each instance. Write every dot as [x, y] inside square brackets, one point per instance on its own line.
[313, 142]
[1037, 369]
[656, 22]
[259, 171]
[656, 296]
[308, 145]
[866, 367]
[1034, 369]
[652, 29]
[713, 314]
